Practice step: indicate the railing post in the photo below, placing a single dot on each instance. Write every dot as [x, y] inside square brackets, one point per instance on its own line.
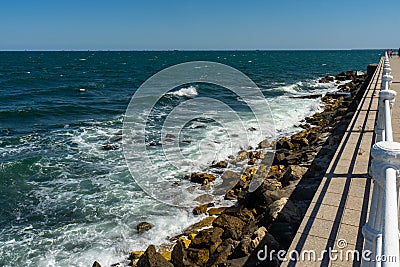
[381, 232]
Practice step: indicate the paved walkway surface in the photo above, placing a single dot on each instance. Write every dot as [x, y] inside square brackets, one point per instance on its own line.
[339, 208]
[395, 66]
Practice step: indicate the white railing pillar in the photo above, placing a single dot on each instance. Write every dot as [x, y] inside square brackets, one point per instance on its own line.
[381, 233]
[386, 81]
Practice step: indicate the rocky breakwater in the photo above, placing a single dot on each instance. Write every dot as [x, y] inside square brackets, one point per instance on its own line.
[271, 214]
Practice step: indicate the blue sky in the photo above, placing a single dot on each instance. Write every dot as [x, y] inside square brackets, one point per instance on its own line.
[198, 25]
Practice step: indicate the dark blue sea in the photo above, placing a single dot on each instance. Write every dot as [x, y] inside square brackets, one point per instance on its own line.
[67, 197]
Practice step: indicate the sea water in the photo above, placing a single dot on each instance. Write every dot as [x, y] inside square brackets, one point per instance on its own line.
[67, 201]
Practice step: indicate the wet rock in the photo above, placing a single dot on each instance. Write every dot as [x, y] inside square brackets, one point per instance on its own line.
[242, 155]
[109, 147]
[252, 161]
[202, 178]
[151, 258]
[220, 164]
[207, 221]
[204, 198]
[264, 144]
[143, 227]
[327, 79]
[96, 264]
[232, 226]
[341, 76]
[202, 208]
[313, 96]
[216, 211]
[135, 255]
[230, 195]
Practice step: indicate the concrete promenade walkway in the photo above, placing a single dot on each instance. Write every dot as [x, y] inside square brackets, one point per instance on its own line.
[340, 206]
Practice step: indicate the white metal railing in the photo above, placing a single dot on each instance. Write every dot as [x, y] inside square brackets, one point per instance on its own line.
[381, 232]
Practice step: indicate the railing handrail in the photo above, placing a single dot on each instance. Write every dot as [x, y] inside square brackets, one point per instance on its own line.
[381, 233]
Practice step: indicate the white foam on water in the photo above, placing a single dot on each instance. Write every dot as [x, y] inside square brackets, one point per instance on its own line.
[190, 91]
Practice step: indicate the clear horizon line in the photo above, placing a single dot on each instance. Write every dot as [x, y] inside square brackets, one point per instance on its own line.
[180, 50]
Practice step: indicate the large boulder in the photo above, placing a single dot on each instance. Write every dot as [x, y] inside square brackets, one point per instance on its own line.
[199, 257]
[178, 255]
[151, 258]
[207, 221]
[208, 238]
[232, 226]
[285, 210]
[327, 79]
[220, 164]
[202, 208]
[292, 173]
[284, 143]
[202, 178]
[221, 255]
[143, 227]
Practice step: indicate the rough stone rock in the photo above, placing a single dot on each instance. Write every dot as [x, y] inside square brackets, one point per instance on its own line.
[271, 184]
[284, 143]
[244, 247]
[230, 175]
[264, 144]
[202, 208]
[286, 210]
[229, 180]
[282, 232]
[208, 238]
[301, 142]
[258, 235]
[207, 221]
[304, 192]
[109, 147]
[252, 161]
[96, 264]
[232, 226]
[205, 198]
[250, 171]
[136, 255]
[216, 211]
[292, 173]
[230, 195]
[143, 227]
[202, 178]
[220, 164]
[151, 258]
[327, 79]
[341, 76]
[240, 212]
[223, 252]
[199, 257]
[178, 255]
[242, 155]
